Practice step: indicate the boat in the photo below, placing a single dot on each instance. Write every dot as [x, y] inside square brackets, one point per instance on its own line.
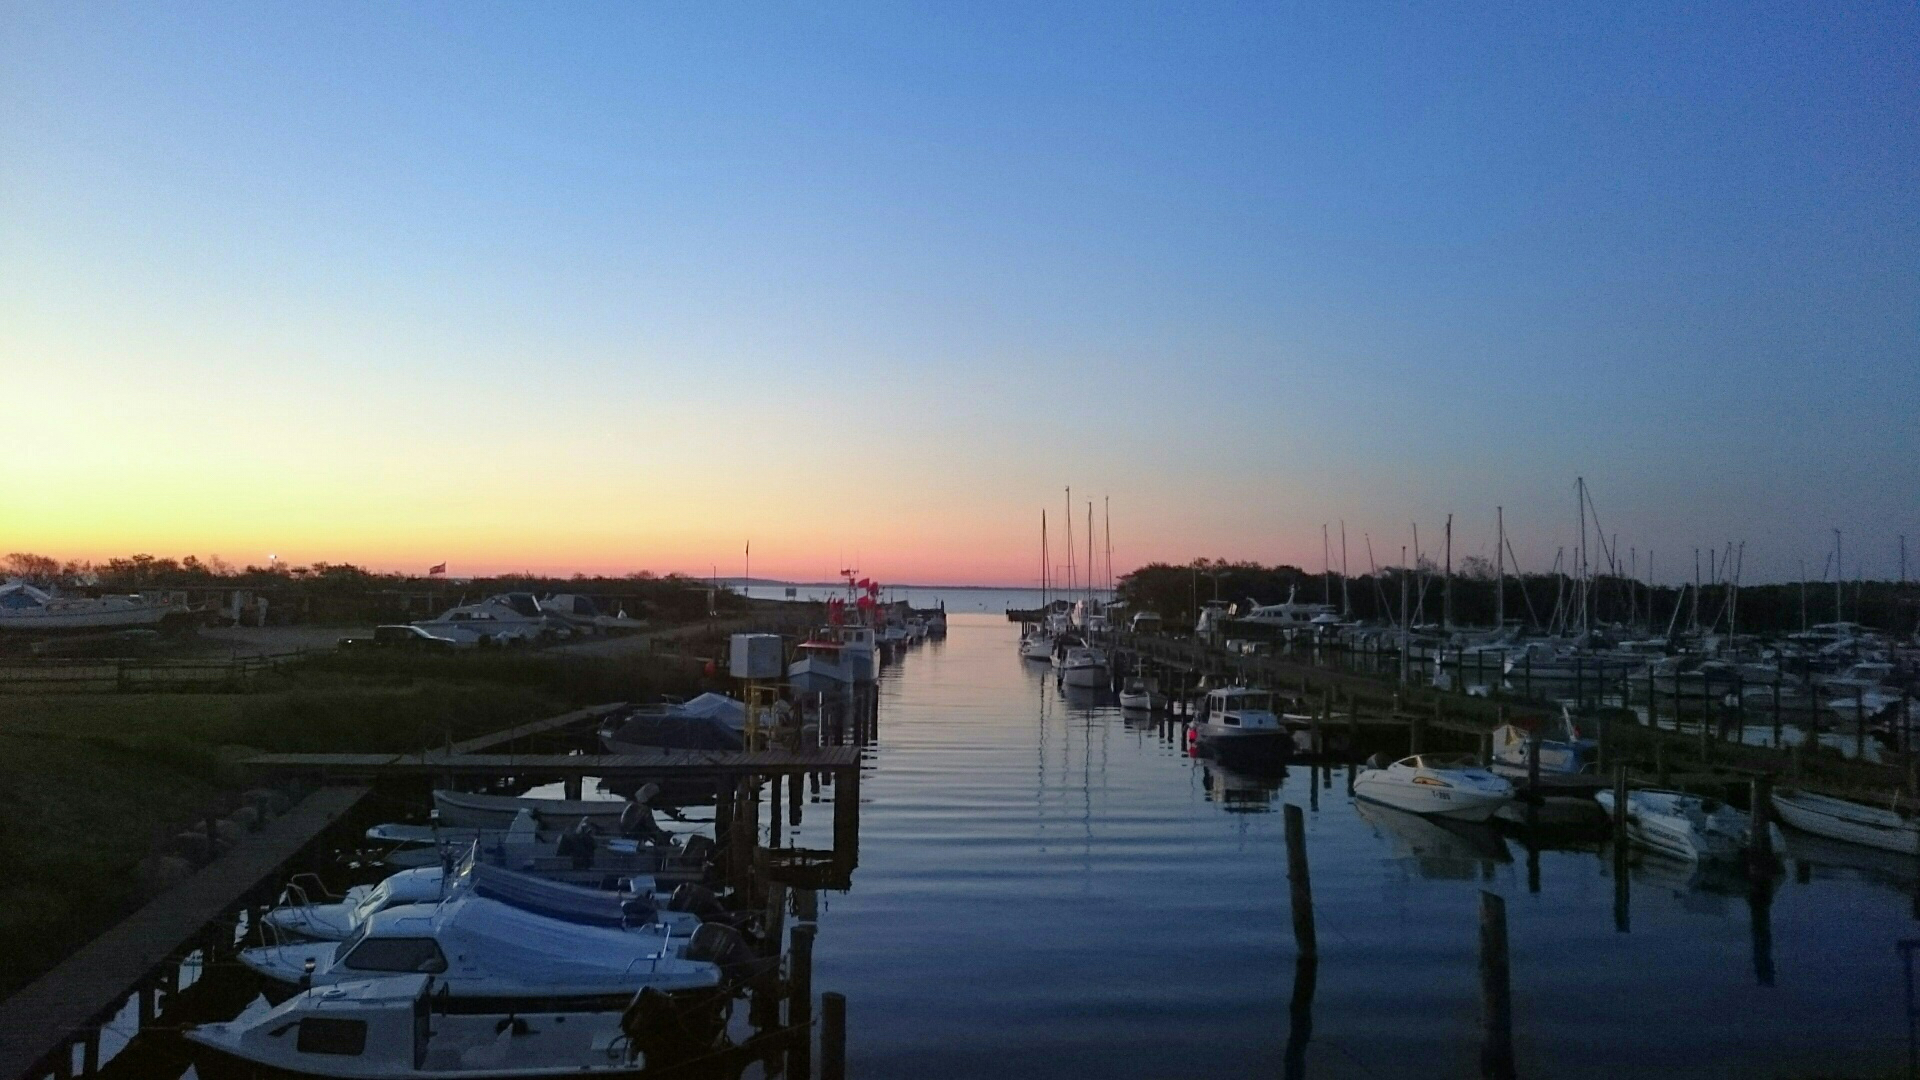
[523, 847]
[24, 607]
[1855, 823]
[501, 620]
[407, 1026]
[1690, 827]
[1563, 750]
[1439, 785]
[1037, 645]
[1238, 723]
[500, 934]
[1083, 666]
[860, 652]
[708, 722]
[1142, 694]
[469, 810]
[303, 914]
[819, 668]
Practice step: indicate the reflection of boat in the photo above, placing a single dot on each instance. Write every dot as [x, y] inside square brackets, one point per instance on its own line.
[1443, 848]
[1438, 785]
[1689, 827]
[1838, 819]
[1241, 792]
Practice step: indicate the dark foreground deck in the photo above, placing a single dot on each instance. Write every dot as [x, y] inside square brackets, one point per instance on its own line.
[687, 763]
[40, 1022]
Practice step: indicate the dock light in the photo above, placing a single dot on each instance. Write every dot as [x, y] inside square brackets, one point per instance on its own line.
[306, 974]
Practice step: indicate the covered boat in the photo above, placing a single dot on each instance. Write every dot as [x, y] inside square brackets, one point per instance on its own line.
[27, 608]
[708, 722]
[1855, 823]
[1439, 785]
[1686, 826]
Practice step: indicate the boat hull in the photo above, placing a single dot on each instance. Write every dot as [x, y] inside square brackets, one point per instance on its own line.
[1085, 676]
[1451, 805]
[1837, 819]
[463, 810]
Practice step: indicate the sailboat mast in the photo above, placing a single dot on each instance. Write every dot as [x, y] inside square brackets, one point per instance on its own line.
[1046, 571]
[1837, 577]
[1090, 562]
[1069, 541]
[1326, 567]
[1500, 568]
[1107, 511]
[1580, 570]
[1346, 599]
[1446, 595]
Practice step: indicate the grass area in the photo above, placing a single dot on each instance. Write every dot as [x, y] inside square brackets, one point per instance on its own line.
[91, 783]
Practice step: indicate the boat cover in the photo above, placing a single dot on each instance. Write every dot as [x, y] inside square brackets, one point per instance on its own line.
[559, 900]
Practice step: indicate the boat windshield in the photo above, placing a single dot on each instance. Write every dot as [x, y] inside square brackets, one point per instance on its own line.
[1250, 703]
[1442, 761]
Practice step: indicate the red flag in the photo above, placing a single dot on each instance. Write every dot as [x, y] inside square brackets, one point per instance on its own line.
[864, 583]
[438, 569]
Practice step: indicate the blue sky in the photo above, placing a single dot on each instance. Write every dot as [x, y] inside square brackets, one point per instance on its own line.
[357, 280]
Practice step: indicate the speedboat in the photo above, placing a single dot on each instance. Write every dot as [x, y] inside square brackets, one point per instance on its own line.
[406, 1026]
[300, 916]
[1239, 723]
[1438, 785]
[1141, 694]
[1838, 819]
[819, 668]
[1685, 826]
[1083, 665]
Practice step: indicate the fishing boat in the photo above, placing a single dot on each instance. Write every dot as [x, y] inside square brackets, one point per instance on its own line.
[499, 934]
[24, 607]
[407, 1026]
[1838, 819]
[1142, 694]
[1438, 785]
[860, 651]
[1238, 723]
[1685, 826]
[1083, 666]
[1564, 751]
[819, 668]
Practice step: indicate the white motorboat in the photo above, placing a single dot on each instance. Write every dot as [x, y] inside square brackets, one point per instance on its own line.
[1838, 819]
[1142, 694]
[300, 916]
[491, 622]
[1439, 785]
[26, 608]
[1685, 826]
[819, 668]
[1083, 666]
[405, 1026]
[469, 810]
[500, 934]
[1237, 722]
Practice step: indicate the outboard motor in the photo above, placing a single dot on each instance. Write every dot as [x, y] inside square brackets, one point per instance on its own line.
[698, 848]
[671, 1029]
[697, 899]
[726, 948]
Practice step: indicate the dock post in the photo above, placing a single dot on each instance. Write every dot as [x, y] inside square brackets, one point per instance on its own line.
[833, 1036]
[1776, 712]
[1760, 854]
[1496, 993]
[570, 787]
[1619, 804]
[806, 905]
[1353, 726]
[1859, 726]
[90, 1052]
[1660, 761]
[63, 1062]
[800, 1000]
[723, 807]
[1417, 732]
[1653, 701]
[775, 807]
[1533, 782]
[846, 818]
[146, 1010]
[1299, 885]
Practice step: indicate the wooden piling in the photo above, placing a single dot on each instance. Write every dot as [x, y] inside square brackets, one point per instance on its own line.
[833, 1036]
[775, 809]
[800, 1000]
[1496, 996]
[1299, 885]
[723, 808]
[1620, 804]
[1759, 818]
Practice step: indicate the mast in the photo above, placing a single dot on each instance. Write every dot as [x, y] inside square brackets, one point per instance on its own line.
[1420, 602]
[1446, 595]
[1803, 596]
[1403, 613]
[1107, 510]
[1346, 600]
[1069, 541]
[1326, 567]
[1090, 562]
[1580, 569]
[1500, 568]
[1693, 617]
[1838, 576]
[1046, 571]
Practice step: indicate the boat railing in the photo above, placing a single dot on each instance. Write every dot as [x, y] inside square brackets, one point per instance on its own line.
[665, 944]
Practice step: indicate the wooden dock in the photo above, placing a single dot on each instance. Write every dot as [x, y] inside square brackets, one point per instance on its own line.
[678, 763]
[46, 1017]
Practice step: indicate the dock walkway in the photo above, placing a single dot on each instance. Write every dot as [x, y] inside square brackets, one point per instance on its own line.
[41, 1021]
[687, 763]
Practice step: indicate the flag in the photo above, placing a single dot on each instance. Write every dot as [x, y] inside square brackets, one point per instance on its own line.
[438, 568]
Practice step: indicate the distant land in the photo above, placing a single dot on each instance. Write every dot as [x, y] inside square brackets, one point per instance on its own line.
[841, 584]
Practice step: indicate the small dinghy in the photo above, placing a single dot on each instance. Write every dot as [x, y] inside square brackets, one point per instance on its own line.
[1684, 826]
[1838, 819]
[1142, 695]
[1437, 785]
[408, 1027]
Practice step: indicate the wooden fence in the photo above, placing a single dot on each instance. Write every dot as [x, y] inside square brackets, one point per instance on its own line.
[136, 675]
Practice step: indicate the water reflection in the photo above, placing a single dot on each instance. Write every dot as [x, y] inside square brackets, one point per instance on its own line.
[1441, 850]
[1240, 792]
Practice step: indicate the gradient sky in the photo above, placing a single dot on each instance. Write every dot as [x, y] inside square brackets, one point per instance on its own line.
[608, 287]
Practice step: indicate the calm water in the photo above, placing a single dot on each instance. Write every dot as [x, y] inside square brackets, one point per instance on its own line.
[1047, 891]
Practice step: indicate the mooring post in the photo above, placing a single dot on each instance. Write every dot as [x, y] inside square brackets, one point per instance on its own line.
[833, 1036]
[1620, 804]
[1653, 701]
[775, 808]
[723, 807]
[1496, 996]
[1760, 819]
[846, 817]
[571, 787]
[90, 1052]
[800, 1000]
[1776, 712]
[1859, 726]
[1417, 732]
[1299, 885]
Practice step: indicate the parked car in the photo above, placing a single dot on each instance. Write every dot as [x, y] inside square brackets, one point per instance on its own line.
[399, 636]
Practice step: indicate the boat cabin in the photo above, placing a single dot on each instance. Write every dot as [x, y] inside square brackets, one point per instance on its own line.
[1241, 707]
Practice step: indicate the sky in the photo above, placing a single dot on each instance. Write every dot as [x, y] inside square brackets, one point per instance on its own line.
[609, 287]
